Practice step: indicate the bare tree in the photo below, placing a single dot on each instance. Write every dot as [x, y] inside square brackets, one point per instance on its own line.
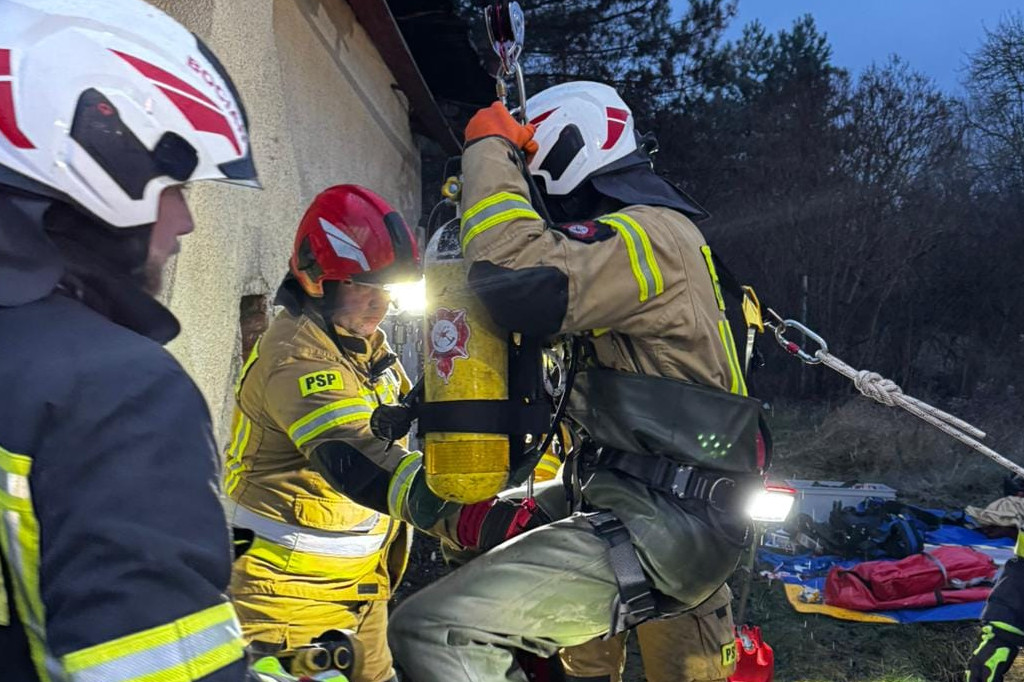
[995, 103]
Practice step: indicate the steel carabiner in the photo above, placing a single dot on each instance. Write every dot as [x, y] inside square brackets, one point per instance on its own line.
[780, 326]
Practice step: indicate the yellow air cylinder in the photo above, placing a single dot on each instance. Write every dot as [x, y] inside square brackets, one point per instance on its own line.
[465, 358]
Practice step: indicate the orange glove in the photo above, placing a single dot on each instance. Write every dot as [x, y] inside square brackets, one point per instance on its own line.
[495, 120]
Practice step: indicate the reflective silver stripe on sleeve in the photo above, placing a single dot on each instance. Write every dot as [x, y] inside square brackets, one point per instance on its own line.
[400, 482]
[638, 258]
[15, 485]
[493, 210]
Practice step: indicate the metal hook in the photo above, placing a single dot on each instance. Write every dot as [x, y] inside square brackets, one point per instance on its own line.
[792, 347]
[506, 30]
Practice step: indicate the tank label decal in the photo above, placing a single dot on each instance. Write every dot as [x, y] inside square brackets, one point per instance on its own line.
[448, 339]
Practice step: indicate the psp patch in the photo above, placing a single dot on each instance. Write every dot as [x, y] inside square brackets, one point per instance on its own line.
[588, 231]
[314, 382]
[729, 652]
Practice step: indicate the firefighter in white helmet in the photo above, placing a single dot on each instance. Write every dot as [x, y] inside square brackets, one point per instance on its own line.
[115, 552]
[671, 438]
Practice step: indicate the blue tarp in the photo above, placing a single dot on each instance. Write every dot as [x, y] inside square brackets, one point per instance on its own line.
[805, 574]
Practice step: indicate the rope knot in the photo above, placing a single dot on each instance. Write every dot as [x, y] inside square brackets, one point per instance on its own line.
[877, 387]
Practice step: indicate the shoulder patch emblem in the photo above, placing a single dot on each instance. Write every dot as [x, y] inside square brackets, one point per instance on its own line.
[588, 231]
[314, 382]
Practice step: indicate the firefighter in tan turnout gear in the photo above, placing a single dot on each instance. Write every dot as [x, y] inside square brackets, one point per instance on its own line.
[303, 472]
[671, 438]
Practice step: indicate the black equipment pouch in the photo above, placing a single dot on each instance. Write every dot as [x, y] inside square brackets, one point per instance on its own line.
[685, 422]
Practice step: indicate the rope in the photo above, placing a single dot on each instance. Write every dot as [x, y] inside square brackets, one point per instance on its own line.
[887, 392]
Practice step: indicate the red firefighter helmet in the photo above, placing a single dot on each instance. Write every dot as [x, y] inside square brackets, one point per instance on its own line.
[351, 233]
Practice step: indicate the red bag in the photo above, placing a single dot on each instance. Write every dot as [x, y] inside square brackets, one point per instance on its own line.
[756, 660]
[948, 575]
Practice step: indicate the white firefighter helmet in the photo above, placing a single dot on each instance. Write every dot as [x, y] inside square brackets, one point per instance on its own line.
[582, 127]
[105, 103]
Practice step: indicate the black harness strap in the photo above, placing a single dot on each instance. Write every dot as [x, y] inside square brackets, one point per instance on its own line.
[635, 603]
[721, 491]
[484, 416]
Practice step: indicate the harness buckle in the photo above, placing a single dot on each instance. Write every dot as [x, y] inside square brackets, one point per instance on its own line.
[680, 485]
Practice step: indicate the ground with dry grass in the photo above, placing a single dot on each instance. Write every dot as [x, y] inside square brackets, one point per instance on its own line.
[859, 440]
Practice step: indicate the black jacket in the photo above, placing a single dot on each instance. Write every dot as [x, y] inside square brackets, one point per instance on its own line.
[123, 481]
[111, 527]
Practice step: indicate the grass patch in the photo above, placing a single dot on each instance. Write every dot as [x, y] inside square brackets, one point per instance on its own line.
[814, 648]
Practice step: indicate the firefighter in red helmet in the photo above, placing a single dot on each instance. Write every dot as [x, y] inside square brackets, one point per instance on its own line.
[303, 471]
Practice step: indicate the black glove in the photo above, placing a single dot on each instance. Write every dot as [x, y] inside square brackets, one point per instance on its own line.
[391, 422]
[996, 651]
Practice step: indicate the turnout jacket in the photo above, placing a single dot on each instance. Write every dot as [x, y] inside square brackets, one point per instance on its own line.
[303, 409]
[641, 284]
[115, 550]
[643, 274]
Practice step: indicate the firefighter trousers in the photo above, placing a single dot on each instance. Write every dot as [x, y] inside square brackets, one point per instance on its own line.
[272, 624]
[696, 646]
[551, 588]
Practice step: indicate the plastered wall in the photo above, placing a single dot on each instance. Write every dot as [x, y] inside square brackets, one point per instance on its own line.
[323, 110]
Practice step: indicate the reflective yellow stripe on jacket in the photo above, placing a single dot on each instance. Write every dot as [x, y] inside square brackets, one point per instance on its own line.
[189, 648]
[400, 484]
[186, 649]
[737, 384]
[327, 417]
[641, 254]
[494, 210]
[358, 542]
[19, 539]
[233, 464]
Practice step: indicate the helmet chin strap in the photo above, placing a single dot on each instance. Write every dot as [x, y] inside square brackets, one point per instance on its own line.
[325, 306]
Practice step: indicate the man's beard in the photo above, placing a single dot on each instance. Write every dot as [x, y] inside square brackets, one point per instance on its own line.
[152, 278]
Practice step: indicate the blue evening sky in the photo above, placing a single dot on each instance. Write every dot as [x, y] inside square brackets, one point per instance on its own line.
[931, 35]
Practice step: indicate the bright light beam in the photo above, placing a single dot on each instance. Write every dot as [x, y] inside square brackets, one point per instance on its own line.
[771, 504]
[409, 297]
